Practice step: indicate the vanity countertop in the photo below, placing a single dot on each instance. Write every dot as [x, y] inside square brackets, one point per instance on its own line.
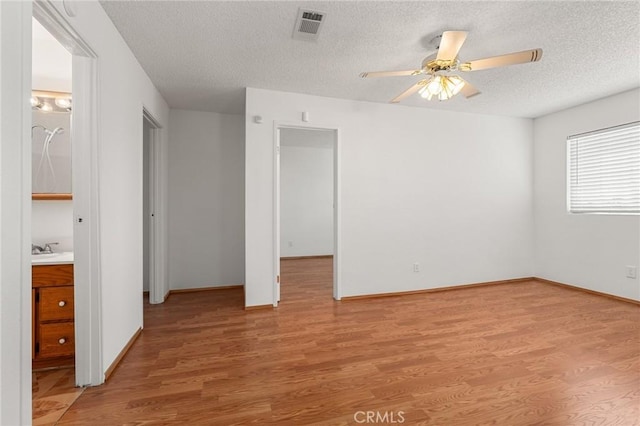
[62, 258]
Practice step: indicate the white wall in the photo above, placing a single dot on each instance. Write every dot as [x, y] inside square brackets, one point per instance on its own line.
[588, 251]
[124, 89]
[52, 221]
[306, 192]
[206, 192]
[450, 191]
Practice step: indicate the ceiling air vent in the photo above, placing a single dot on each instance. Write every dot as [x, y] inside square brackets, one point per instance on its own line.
[308, 24]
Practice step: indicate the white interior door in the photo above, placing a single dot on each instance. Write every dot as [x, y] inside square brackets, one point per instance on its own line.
[276, 237]
[15, 213]
[152, 221]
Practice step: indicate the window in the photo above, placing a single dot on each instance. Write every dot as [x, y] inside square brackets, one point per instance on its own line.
[604, 171]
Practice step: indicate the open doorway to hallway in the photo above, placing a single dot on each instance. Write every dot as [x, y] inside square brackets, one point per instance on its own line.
[152, 293]
[306, 211]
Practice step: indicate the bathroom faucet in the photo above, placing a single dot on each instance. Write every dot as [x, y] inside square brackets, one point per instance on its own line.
[42, 250]
[47, 247]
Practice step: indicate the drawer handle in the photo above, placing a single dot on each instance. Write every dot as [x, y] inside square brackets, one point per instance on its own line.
[62, 340]
[62, 303]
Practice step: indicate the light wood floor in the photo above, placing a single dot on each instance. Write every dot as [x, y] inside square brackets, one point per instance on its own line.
[516, 354]
[53, 392]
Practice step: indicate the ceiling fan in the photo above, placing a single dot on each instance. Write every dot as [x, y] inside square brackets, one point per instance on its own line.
[441, 83]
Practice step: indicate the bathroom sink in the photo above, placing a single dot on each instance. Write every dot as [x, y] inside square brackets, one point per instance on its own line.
[52, 258]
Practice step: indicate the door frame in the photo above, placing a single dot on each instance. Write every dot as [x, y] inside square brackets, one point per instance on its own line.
[15, 213]
[156, 245]
[86, 203]
[337, 275]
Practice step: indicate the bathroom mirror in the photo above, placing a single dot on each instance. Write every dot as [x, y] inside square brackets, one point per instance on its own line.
[51, 145]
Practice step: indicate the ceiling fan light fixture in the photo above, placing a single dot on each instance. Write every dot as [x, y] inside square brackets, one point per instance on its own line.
[443, 86]
[439, 68]
[435, 85]
[432, 87]
[455, 84]
[425, 93]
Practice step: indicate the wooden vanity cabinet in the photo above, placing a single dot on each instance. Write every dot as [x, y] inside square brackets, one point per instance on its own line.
[53, 315]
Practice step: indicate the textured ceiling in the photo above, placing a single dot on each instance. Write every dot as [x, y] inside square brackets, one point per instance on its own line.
[201, 55]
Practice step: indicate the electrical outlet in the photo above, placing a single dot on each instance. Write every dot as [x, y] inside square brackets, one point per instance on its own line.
[290, 243]
[632, 272]
[416, 267]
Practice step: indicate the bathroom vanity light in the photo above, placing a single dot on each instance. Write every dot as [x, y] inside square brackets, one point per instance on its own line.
[51, 101]
[35, 102]
[46, 106]
[64, 103]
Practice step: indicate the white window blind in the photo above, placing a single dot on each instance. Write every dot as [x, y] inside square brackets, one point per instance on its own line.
[604, 171]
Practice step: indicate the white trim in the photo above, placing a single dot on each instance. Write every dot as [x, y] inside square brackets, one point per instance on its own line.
[15, 213]
[86, 229]
[86, 203]
[337, 219]
[276, 216]
[157, 227]
[50, 18]
[337, 264]
[151, 193]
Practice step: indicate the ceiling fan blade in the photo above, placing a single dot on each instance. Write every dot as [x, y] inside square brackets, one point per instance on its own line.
[410, 91]
[469, 90]
[390, 73]
[450, 45]
[533, 55]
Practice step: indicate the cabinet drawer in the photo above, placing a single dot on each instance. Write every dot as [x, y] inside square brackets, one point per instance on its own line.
[56, 340]
[51, 275]
[56, 303]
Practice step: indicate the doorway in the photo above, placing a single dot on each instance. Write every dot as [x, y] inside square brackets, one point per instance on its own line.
[52, 209]
[52, 198]
[151, 287]
[306, 205]
[84, 219]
